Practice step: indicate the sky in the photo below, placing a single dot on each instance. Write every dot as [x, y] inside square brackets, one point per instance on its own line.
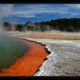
[22, 13]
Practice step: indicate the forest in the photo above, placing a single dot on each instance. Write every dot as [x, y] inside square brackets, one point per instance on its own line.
[65, 24]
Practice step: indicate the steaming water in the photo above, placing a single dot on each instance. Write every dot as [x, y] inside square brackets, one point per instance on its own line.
[10, 50]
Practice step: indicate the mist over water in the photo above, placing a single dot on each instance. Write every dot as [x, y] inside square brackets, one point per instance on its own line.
[10, 49]
[4, 35]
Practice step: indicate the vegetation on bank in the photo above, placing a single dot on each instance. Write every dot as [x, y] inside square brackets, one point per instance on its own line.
[65, 24]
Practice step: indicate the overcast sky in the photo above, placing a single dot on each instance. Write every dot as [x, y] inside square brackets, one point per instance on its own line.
[21, 13]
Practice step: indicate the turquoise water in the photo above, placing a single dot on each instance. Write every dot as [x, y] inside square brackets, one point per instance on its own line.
[10, 50]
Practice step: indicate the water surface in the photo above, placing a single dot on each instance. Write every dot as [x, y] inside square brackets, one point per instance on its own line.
[10, 50]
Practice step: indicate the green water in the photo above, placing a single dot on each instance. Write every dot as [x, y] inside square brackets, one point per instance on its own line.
[10, 50]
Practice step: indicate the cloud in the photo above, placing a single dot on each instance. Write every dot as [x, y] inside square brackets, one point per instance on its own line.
[5, 10]
[73, 5]
[61, 9]
[73, 9]
[38, 9]
[25, 15]
[31, 10]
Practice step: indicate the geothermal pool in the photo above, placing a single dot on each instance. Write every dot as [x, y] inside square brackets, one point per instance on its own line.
[10, 50]
[19, 57]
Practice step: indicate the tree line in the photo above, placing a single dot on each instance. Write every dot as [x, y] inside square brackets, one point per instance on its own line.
[65, 24]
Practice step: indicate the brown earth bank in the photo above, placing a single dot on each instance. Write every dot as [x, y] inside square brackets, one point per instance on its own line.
[48, 34]
[28, 64]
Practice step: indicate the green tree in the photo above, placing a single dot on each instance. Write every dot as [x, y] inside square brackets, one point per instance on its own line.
[19, 27]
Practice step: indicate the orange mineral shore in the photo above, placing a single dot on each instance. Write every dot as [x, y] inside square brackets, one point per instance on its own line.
[28, 64]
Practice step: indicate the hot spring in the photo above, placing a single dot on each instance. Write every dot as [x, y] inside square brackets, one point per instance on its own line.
[10, 50]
